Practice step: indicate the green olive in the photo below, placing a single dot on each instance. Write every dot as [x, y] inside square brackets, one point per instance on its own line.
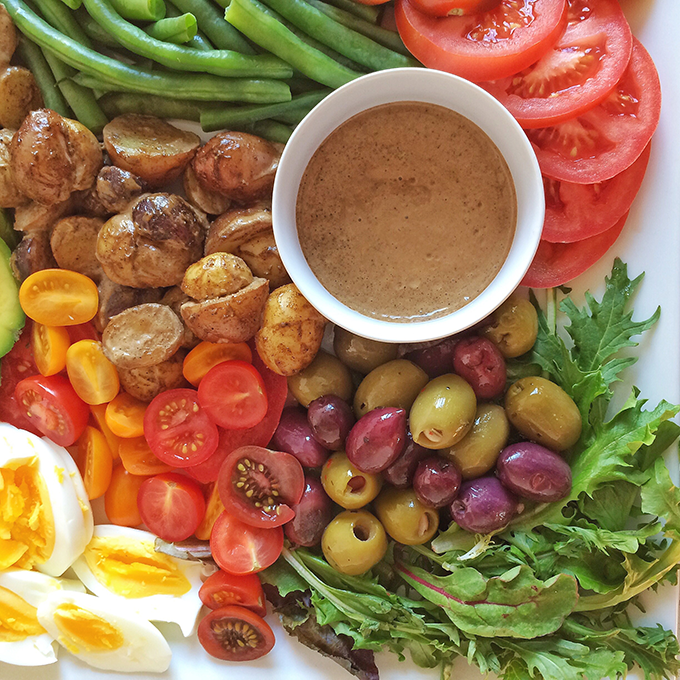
[361, 354]
[405, 518]
[514, 327]
[477, 451]
[443, 412]
[396, 383]
[354, 542]
[325, 375]
[544, 412]
[346, 485]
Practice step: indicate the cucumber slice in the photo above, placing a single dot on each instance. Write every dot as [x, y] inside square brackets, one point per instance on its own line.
[12, 317]
[7, 233]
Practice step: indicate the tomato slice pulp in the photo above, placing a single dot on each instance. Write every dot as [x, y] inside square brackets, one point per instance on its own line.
[221, 589]
[444, 8]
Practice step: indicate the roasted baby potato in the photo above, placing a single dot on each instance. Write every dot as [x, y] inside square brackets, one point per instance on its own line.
[291, 332]
[114, 299]
[148, 382]
[237, 165]
[19, 95]
[175, 297]
[10, 196]
[152, 243]
[73, 242]
[216, 275]
[149, 147]
[32, 216]
[53, 156]
[210, 202]
[32, 254]
[142, 336]
[112, 192]
[8, 37]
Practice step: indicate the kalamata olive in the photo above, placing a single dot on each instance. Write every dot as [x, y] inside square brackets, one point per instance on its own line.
[404, 517]
[483, 505]
[534, 472]
[346, 485]
[400, 473]
[436, 482]
[544, 412]
[513, 327]
[293, 435]
[435, 360]
[312, 515]
[377, 439]
[361, 354]
[325, 375]
[482, 365]
[331, 419]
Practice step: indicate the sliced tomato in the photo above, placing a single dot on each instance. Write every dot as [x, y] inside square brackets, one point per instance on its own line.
[138, 458]
[98, 412]
[49, 345]
[444, 8]
[171, 505]
[577, 211]
[485, 46]
[178, 430]
[235, 634]
[120, 499]
[51, 404]
[606, 140]
[93, 376]
[221, 589]
[213, 509]
[259, 486]
[558, 263]
[239, 548]
[578, 72]
[95, 462]
[206, 355]
[372, 2]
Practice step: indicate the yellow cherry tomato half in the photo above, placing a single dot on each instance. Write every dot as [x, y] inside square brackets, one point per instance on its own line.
[59, 297]
[120, 499]
[49, 345]
[93, 376]
[125, 416]
[138, 458]
[95, 462]
[99, 418]
[206, 355]
[213, 509]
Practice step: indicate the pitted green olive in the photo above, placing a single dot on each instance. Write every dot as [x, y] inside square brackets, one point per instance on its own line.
[405, 518]
[325, 375]
[361, 354]
[346, 485]
[514, 327]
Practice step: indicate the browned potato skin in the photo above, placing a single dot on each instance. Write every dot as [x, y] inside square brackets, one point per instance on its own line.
[210, 202]
[10, 196]
[153, 242]
[149, 147]
[216, 275]
[8, 37]
[54, 156]
[237, 165]
[32, 254]
[175, 297]
[231, 318]
[112, 193]
[19, 95]
[34, 216]
[148, 382]
[291, 332]
[73, 242]
[114, 299]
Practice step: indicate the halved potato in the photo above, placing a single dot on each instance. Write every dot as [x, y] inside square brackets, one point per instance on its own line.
[19, 95]
[8, 36]
[210, 202]
[73, 242]
[33, 216]
[32, 255]
[10, 196]
[114, 299]
[149, 381]
[216, 275]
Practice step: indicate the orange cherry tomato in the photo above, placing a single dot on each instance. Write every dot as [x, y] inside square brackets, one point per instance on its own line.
[49, 345]
[125, 416]
[93, 376]
[213, 509]
[59, 297]
[206, 355]
[99, 417]
[95, 462]
[120, 499]
[139, 459]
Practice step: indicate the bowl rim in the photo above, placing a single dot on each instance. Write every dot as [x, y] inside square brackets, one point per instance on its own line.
[430, 86]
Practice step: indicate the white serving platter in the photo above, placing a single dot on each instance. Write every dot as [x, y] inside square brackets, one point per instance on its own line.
[650, 242]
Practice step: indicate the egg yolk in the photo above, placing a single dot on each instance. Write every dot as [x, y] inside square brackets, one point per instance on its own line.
[18, 619]
[26, 523]
[133, 568]
[84, 631]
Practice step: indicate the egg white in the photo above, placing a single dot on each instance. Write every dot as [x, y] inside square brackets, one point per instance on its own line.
[180, 609]
[144, 650]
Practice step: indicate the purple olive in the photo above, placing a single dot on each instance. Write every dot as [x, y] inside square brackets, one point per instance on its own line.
[534, 472]
[435, 360]
[293, 435]
[400, 473]
[377, 439]
[481, 364]
[312, 515]
[436, 481]
[330, 419]
[483, 505]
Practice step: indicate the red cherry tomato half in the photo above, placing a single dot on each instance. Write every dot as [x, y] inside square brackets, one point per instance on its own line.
[259, 486]
[53, 407]
[239, 548]
[235, 634]
[606, 140]
[577, 211]
[485, 46]
[178, 430]
[558, 263]
[444, 8]
[577, 73]
[221, 589]
[171, 505]
[233, 395]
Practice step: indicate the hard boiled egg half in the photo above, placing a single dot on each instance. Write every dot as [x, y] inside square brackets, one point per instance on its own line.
[120, 564]
[45, 516]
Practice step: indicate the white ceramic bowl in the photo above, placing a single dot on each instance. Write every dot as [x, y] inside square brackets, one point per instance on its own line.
[435, 87]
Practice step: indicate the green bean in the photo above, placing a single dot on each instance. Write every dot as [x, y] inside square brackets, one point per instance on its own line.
[232, 116]
[61, 18]
[389, 39]
[353, 45]
[211, 21]
[199, 41]
[272, 130]
[248, 16]
[217, 62]
[176, 30]
[33, 58]
[301, 84]
[115, 75]
[73, 4]
[365, 12]
[94, 31]
[140, 10]
[119, 103]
